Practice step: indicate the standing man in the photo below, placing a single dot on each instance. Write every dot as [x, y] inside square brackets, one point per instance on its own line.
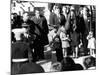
[56, 18]
[41, 31]
[84, 27]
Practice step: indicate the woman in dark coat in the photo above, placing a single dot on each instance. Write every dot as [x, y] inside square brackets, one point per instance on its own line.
[75, 38]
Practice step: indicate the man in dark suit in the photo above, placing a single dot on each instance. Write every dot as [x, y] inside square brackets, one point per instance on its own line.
[83, 27]
[56, 18]
[41, 31]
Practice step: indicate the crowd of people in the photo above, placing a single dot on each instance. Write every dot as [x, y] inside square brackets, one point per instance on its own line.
[69, 33]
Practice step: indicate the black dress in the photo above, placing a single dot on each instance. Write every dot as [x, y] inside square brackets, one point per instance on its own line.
[75, 38]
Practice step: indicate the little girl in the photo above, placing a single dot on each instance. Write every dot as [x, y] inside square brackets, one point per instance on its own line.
[91, 43]
[65, 41]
